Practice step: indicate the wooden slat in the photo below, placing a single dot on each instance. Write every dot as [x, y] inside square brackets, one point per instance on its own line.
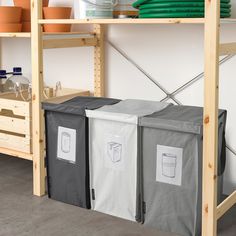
[15, 125]
[28, 35]
[15, 35]
[18, 154]
[72, 33]
[227, 49]
[19, 108]
[37, 96]
[66, 97]
[226, 205]
[68, 43]
[11, 96]
[61, 93]
[136, 21]
[211, 103]
[99, 54]
[125, 21]
[74, 92]
[16, 143]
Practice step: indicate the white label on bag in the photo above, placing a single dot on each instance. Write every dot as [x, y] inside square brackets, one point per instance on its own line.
[66, 144]
[169, 165]
[114, 152]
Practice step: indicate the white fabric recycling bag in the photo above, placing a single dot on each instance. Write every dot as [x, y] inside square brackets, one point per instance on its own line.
[113, 147]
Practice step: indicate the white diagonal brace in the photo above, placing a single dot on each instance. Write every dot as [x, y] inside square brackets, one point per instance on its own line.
[178, 90]
[121, 52]
[194, 80]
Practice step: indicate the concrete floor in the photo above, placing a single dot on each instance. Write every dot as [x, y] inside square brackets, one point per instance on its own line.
[22, 214]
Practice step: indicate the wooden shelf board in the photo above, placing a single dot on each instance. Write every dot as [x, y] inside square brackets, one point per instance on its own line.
[15, 35]
[111, 21]
[70, 42]
[125, 21]
[60, 34]
[68, 33]
[17, 154]
[135, 21]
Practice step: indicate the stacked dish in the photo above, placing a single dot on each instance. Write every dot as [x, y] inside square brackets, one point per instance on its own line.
[177, 8]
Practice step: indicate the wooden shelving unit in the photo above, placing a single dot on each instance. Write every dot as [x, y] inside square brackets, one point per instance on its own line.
[48, 41]
[213, 49]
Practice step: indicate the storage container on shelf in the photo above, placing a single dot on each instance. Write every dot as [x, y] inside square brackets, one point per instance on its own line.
[67, 148]
[114, 157]
[16, 119]
[172, 142]
[92, 9]
[18, 84]
[15, 123]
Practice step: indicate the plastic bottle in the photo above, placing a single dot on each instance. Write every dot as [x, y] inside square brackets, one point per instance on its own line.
[18, 84]
[3, 77]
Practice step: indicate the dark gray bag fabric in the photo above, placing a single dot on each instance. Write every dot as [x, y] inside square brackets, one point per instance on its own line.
[68, 181]
[175, 205]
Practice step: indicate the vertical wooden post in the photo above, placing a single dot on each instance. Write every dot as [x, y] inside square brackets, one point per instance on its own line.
[37, 90]
[99, 74]
[210, 149]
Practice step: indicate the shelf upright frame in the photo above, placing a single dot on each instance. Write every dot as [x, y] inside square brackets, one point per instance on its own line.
[37, 95]
[211, 212]
[211, 104]
[99, 61]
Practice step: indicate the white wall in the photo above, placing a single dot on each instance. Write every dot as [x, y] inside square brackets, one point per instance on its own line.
[172, 54]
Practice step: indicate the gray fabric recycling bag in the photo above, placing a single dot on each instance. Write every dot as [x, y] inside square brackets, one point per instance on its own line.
[67, 153]
[171, 142]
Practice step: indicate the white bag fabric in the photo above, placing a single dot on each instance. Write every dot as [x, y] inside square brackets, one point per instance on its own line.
[113, 148]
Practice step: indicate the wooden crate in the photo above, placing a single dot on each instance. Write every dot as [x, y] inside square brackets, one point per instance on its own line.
[15, 120]
[15, 123]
